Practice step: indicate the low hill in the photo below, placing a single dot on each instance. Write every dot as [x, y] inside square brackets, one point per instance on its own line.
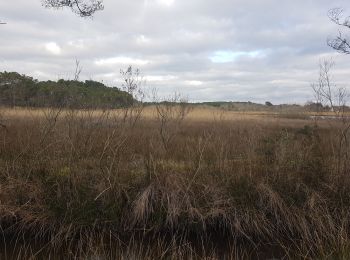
[21, 90]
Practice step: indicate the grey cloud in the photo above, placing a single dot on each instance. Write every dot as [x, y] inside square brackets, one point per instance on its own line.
[177, 41]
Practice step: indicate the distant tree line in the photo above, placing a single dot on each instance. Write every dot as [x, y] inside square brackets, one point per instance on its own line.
[20, 90]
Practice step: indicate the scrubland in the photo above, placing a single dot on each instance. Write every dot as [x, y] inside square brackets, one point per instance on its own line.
[173, 182]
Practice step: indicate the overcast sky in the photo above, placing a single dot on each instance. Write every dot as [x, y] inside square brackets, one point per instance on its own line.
[208, 50]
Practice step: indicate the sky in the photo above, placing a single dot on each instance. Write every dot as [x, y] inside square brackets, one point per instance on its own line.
[206, 50]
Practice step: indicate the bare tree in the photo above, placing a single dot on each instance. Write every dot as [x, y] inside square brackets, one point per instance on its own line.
[78, 70]
[341, 43]
[133, 84]
[171, 114]
[329, 94]
[84, 8]
[326, 92]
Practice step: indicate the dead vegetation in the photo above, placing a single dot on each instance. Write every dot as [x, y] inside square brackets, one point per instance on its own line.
[83, 178]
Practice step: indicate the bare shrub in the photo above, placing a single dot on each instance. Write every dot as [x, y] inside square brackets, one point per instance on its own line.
[327, 93]
[78, 70]
[133, 83]
[51, 118]
[171, 114]
[97, 180]
[2, 120]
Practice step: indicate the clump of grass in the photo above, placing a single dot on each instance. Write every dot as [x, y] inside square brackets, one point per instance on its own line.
[76, 178]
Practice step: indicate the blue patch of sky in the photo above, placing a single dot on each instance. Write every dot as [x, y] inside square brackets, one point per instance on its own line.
[230, 56]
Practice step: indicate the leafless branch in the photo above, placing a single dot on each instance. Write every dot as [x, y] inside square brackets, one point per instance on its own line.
[339, 43]
[133, 83]
[84, 8]
[336, 16]
[171, 114]
[78, 70]
[327, 93]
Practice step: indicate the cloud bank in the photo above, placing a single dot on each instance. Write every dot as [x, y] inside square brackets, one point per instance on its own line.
[207, 50]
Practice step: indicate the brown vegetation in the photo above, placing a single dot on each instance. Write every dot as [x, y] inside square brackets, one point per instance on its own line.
[77, 179]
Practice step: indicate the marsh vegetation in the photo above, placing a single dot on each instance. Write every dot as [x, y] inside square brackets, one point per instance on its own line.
[172, 181]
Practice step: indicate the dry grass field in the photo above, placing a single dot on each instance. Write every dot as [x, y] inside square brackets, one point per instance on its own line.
[173, 182]
[204, 113]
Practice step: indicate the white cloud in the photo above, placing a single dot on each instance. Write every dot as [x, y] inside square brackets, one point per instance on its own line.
[158, 78]
[80, 44]
[207, 50]
[53, 48]
[142, 39]
[121, 61]
[166, 2]
[193, 82]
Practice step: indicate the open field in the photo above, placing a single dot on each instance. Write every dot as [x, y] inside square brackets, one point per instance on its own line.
[173, 183]
[204, 113]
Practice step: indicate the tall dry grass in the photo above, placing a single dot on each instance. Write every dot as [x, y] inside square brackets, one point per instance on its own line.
[78, 179]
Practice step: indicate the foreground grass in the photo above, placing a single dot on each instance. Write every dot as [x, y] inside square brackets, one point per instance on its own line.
[97, 182]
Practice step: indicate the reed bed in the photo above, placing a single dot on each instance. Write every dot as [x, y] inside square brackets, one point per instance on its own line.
[172, 183]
